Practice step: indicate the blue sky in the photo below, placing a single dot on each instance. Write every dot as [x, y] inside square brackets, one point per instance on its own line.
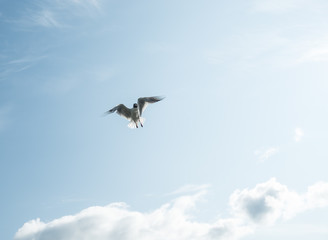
[236, 150]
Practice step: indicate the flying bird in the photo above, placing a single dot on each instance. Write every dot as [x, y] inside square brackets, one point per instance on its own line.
[134, 114]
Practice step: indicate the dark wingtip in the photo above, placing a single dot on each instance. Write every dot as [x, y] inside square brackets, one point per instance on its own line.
[106, 113]
[159, 98]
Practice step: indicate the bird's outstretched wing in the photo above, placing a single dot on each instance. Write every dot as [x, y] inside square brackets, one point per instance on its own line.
[121, 110]
[143, 102]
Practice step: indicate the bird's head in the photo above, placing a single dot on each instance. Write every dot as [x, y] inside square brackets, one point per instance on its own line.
[135, 105]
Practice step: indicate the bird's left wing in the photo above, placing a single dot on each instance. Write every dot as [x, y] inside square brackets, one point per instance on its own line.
[143, 102]
[121, 110]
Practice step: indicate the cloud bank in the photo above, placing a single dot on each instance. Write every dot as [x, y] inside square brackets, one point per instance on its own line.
[264, 204]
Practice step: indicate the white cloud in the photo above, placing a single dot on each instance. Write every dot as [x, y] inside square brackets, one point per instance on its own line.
[298, 134]
[264, 204]
[266, 154]
[116, 221]
[270, 201]
[317, 195]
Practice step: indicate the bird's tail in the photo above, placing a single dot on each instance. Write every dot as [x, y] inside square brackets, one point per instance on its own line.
[132, 124]
[142, 120]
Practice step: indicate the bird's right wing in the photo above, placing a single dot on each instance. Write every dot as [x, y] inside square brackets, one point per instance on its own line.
[121, 110]
[144, 101]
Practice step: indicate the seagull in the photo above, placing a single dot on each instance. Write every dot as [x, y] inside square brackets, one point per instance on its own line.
[134, 114]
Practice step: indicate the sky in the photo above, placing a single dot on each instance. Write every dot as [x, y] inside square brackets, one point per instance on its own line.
[237, 150]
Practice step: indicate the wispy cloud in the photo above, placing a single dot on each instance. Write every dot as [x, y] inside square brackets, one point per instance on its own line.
[315, 51]
[57, 14]
[298, 134]
[11, 66]
[277, 6]
[190, 189]
[264, 204]
[249, 49]
[263, 155]
[285, 6]
[276, 47]
[89, 3]
[45, 18]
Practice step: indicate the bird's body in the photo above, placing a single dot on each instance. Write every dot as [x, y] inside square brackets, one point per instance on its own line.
[135, 118]
[134, 114]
